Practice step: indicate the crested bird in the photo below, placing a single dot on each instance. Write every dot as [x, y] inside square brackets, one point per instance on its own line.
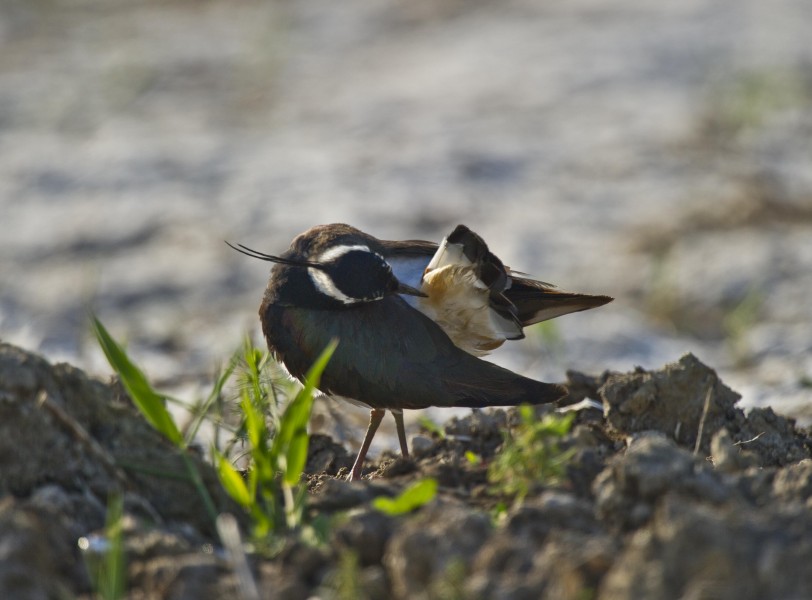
[412, 318]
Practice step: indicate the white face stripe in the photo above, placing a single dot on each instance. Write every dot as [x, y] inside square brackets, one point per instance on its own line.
[338, 251]
[325, 285]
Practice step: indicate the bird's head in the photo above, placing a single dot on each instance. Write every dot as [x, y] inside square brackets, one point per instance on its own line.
[347, 273]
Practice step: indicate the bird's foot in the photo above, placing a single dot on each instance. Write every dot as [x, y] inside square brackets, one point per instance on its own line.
[357, 471]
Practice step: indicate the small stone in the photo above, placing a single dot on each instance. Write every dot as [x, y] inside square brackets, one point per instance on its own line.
[794, 482]
[365, 533]
[628, 489]
[726, 456]
[425, 547]
[420, 445]
[339, 494]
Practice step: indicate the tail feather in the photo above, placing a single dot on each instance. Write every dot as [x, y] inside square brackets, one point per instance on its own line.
[537, 302]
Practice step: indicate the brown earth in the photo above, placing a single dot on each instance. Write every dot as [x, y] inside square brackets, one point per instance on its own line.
[672, 492]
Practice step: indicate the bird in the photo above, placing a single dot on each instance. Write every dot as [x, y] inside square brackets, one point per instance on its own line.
[412, 319]
[478, 301]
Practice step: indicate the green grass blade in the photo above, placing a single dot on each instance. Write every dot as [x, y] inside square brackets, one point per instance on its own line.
[473, 458]
[255, 427]
[431, 427]
[112, 576]
[149, 402]
[557, 426]
[413, 497]
[531, 455]
[232, 482]
[199, 485]
[202, 411]
[291, 442]
[296, 456]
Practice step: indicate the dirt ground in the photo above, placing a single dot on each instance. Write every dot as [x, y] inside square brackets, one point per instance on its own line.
[672, 491]
[658, 153]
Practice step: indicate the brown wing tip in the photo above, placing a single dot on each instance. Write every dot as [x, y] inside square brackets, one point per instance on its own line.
[596, 301]
[577, 302]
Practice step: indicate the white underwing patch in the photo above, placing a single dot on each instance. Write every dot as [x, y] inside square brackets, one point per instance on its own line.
[448, 254]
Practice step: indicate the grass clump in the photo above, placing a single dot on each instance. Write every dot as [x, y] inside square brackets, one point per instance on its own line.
[270, 491]
[277, 441]
[531, 454]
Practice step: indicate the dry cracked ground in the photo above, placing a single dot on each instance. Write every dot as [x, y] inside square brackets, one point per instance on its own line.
[671, 491]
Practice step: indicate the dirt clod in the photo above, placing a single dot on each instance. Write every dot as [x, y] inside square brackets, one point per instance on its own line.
[684, 400]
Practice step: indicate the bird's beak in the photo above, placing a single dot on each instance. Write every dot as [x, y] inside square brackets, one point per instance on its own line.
[409, 290]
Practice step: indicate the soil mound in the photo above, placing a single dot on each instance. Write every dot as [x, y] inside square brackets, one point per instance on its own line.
[671, 491]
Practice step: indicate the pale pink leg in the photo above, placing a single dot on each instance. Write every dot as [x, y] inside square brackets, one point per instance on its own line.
[375, 418]
[404, 448]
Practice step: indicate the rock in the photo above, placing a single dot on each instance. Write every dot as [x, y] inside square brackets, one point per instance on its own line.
[693, 550]
[501, 569]
[754, 485]
[397, 467]
[79, 513]
[326, 456]
[794, 482]
[670, 400]
[144, 544]
[628, 489]
[374, 583]
[568, 565]
[276, 582]
[582, 385]
[773, 438]
[183, 577]
[552, 510]
[365, 533]
[43, 442]
[305, 562]
[348, 580]
[592, 449]
[421, 445]
[728, 457]
[552, 546]
[429, 546]
[339, 494]
[481, 431]
[34, 446]
[38, 555]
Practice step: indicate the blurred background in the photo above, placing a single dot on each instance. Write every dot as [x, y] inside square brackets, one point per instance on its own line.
[659, 152]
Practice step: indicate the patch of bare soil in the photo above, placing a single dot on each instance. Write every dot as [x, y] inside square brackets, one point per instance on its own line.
[671, 492]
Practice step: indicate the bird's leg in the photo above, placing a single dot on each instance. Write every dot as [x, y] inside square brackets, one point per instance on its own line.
[375, 418]
[404, 448]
